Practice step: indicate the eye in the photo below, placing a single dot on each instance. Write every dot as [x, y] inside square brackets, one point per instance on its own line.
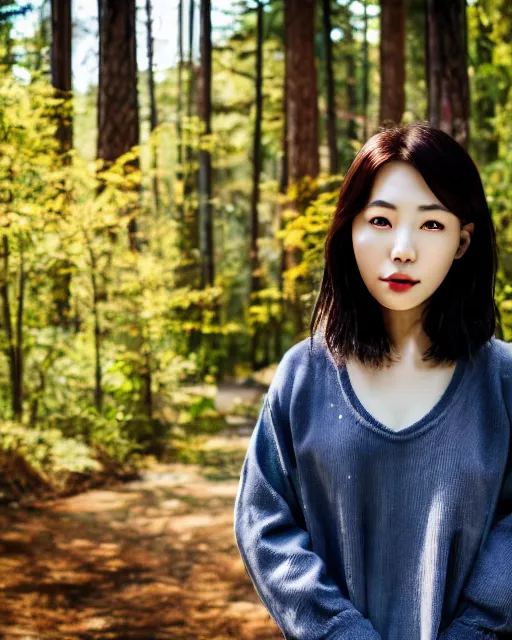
[378, 218]
[439, 225]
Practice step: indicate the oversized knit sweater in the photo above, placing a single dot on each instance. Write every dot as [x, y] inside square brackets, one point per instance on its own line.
[352, 531]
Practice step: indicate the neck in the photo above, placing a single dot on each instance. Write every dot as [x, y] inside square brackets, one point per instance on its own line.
[408, 339]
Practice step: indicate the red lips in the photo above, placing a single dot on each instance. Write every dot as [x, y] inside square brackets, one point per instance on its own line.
[401, 277]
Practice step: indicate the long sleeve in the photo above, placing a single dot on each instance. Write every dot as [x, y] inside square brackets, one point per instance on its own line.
[290, 579]
[487, 598]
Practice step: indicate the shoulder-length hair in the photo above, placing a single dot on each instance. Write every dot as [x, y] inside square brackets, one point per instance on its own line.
[461, 314]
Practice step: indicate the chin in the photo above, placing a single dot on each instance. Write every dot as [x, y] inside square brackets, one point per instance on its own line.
[404, 305]
[398, 302]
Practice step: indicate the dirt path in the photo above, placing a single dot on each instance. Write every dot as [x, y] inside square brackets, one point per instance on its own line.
[150, 559]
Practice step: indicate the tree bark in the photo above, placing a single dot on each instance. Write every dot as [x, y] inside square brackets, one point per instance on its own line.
[366, 70]
[301, 90]
[98, 389]
[18, 388]
[392, 61]
[302, 126]
[351, 93]
[447, 74]
[191, 78]
[179, 103]
[189, 272]
[61, 72]
[118, 109]
[153, 118]
[61, 50]
[13, 349]
[283, 187]
[331, 100]
[12, 352]
[256, 170]
[205, 166]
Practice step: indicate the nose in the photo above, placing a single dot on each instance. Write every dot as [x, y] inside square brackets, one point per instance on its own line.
[403, 249]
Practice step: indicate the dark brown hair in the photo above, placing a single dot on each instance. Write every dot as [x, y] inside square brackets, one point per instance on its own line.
[461, 314]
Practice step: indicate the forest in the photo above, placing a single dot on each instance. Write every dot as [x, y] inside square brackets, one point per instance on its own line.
[162, 236]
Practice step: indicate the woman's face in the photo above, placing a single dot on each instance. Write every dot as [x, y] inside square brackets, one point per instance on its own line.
[404, 228]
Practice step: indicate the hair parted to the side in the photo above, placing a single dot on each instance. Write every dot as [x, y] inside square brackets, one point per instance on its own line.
[461, 314]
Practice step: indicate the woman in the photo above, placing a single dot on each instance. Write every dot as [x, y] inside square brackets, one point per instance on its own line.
[375, 499]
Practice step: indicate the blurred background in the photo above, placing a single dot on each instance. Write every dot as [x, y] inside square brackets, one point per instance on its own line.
[168, 173]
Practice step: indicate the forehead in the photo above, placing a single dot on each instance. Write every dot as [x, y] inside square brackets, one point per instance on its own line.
[399, 181]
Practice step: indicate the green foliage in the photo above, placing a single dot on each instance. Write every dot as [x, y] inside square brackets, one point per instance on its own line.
[490, 72]
[497, 178]
[110, 436]
[245, 410]
[116, 343]
[306, 232]
[129, 317]
[196, 414]
[48, 451]
[219, 463]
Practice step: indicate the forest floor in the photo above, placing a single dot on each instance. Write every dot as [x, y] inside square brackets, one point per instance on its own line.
[150, 559]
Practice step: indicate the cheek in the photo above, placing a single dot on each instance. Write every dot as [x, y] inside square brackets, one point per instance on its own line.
[362, 236]
[440, 255]
[363, 241]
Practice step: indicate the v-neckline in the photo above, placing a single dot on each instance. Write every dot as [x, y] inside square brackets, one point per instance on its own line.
[421, 425]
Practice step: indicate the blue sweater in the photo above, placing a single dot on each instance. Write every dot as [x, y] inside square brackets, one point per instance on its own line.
[352, 531]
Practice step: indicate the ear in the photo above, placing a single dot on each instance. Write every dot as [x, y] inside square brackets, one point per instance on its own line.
[465, 239]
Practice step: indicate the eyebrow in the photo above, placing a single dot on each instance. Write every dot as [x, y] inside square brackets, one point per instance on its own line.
[422, 207]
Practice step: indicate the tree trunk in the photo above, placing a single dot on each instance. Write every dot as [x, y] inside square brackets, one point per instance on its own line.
[153, 118]
[283, 187]
[179, 108]
[118, 109]
[18, 387]
[191, 82]
[14, 346]
[61, 72]
[190, 272]
[302, 114]
[98, 389]
[448, 84]
[256, 170]
[392, 61]
[351, 93]
[62, 83]
[366, 68]
[205, 167]
[331, 100]
[10, 349]
[302, 105]
[147, 375]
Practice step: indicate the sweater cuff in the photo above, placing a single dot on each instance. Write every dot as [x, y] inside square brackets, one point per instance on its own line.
[355, 628]
[460, 631]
